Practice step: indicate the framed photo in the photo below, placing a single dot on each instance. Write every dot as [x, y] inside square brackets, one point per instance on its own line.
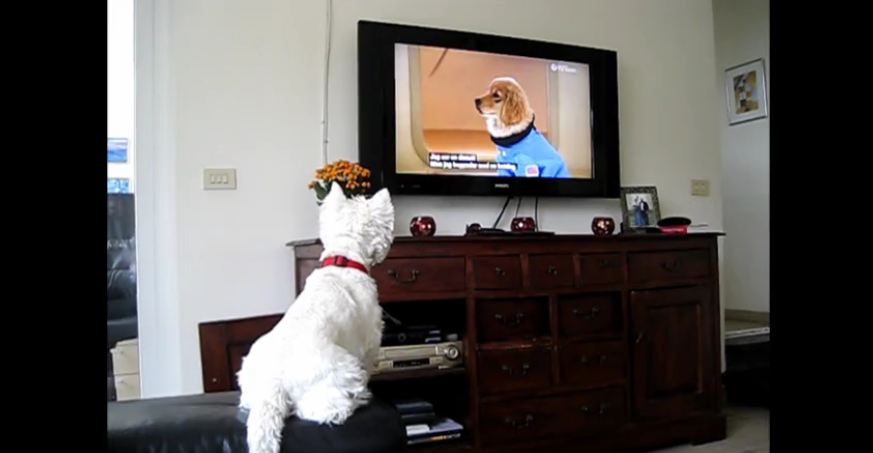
[746, 92]
[116, 150]
[639, 207]
[117, 185]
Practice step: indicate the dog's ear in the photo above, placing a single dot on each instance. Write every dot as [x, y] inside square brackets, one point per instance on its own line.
[382, 224]
[381, 199]
[514, 107]
[335, 195]
[381, 207]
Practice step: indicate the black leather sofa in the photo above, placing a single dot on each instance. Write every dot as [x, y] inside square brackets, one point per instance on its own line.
[212, 422]
[120, 291]
[121, 321]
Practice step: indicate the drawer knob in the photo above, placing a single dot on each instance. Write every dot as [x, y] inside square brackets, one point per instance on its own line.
[552, 270]
[602, 409]
[608, 263]
[511, 321]
[584, 360]
[413, 276]
[671, 265]
[640, 337]
[510, 371]
[525, 422]
[500, 271]
[591, 314]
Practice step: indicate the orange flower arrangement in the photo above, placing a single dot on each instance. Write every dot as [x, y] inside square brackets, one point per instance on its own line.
[352, 177]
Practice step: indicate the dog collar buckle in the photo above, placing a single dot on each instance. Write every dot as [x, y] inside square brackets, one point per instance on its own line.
[341, 261]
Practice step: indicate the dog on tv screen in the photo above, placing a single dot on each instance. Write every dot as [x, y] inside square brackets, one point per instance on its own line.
[510, 122]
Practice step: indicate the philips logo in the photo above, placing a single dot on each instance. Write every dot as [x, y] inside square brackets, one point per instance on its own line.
[559, 67]
[501, 186]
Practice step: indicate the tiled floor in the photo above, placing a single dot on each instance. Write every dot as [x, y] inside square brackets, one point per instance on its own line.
[748, 431]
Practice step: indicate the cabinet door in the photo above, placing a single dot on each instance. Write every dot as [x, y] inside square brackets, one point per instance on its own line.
[675, 358]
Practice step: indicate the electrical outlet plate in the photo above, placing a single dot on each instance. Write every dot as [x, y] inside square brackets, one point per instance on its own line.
[219, 179]
[700, 187]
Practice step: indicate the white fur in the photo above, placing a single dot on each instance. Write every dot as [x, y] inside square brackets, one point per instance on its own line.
[497, 129]
[316, 362]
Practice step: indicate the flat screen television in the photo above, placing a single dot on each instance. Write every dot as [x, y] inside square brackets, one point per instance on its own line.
[457, 113]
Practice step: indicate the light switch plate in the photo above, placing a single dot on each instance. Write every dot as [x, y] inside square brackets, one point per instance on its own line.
[219, 179]
[700, 187]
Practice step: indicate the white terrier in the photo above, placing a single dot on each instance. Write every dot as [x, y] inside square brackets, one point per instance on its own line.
[316, 362]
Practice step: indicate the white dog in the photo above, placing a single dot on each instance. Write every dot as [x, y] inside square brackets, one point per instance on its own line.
[316, 362]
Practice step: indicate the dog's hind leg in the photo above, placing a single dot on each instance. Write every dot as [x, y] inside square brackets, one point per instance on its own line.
[337, 393]
[266, 419]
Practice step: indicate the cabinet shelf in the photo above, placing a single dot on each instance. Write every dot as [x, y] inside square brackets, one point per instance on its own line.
[451, 446]
[418, 374]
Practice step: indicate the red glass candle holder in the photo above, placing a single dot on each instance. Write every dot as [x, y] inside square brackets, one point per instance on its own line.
[523, 224]
[422, 226]
[602, 226]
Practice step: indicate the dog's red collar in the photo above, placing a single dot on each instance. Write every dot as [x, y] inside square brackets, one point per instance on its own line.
[341, 261]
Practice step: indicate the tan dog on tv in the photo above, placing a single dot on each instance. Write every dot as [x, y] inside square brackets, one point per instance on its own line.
[509, 119]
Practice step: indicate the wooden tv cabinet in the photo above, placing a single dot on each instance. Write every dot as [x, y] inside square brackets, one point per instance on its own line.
[573, 343]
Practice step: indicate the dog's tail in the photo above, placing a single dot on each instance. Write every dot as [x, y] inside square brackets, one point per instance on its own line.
[266, 420]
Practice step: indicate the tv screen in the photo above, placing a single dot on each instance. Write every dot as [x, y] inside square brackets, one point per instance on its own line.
[457, 113]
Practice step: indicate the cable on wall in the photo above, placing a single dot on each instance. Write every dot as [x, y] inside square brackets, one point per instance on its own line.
[324, 109]
[517, 205]
[499, 216]
[537, 213]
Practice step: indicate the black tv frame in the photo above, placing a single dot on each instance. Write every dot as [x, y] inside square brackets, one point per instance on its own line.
[376, 113]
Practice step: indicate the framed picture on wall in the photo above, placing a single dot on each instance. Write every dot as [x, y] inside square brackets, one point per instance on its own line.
[639, 207]
[116, 150]
[117, 185]
[746, 92]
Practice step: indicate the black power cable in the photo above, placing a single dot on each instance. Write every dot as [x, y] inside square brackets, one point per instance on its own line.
[537, 213]
[505, 204]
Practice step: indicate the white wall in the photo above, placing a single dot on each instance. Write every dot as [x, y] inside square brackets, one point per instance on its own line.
[742, 34]
[246, 78]
[119, 83]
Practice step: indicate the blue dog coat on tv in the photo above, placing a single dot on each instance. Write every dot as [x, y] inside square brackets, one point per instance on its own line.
[532, 155]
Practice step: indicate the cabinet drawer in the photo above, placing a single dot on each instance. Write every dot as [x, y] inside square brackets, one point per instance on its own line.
[593, 364]
[581, 413]
[602, 269]
[521, 368]
[127, 387]
[125, 357]
[656, 267]
[597, 411]
[551, 271]
[497, 272]
[512, 319]
[420, 274]
[589, 315]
